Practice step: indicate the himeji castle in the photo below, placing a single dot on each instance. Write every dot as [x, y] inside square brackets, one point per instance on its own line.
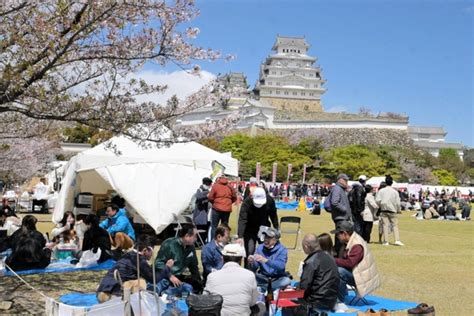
[288, 96]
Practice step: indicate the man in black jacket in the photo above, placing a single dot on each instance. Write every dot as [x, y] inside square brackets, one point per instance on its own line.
[357, 201]
[320, 278]
[257, 210]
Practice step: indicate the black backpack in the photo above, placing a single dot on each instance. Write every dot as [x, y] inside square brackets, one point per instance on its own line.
[207, 304]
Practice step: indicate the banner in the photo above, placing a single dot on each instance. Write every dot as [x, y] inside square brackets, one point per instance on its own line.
[257, 172]
[274, 172]
[217, 170]
[304, 173]
[290, 166]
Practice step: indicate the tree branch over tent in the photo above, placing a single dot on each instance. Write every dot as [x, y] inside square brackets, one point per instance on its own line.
[72, 61]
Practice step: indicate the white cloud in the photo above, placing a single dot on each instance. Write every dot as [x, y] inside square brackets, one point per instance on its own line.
[180, 83]
[336, 109]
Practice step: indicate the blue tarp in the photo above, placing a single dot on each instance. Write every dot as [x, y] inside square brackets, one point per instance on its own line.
[288, 206]
[65, 265]
[375, 302]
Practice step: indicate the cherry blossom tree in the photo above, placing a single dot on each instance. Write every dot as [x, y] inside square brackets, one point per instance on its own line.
[71, 62]
[20, 158]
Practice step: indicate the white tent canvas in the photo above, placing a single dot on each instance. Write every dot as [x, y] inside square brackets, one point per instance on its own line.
[158, 183]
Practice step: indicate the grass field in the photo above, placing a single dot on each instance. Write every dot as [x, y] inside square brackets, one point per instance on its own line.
[435, 266]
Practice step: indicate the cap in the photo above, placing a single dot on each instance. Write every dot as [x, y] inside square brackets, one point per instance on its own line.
[343, 226]
[259, 197]
[253, 180]
[233, 250]
[272, 232]
[343, 176]
[362, 177]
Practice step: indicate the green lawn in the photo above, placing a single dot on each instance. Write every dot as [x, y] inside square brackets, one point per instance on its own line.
[435, 266]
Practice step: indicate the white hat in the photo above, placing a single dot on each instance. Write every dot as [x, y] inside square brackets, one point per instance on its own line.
[233, 250]
[259, 197]
[362, 177]
[253, 180]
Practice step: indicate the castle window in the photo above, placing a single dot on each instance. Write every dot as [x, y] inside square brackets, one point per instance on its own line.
[278, 92]
[302, 93]
[286, 92]
[310, 74]
[270, 92]
[273, 72]
[298, 51]
[295, 93]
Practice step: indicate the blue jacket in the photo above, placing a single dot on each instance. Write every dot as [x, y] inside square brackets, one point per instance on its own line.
[211, 257]
[277, 258]
[118, 223]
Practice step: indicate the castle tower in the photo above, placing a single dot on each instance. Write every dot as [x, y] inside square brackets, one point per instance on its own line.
[288, 79]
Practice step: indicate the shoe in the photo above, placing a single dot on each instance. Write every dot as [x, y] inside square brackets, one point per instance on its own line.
[384, 312]
[341, 308]
[399, 243]
[422, 309]
[385, 243]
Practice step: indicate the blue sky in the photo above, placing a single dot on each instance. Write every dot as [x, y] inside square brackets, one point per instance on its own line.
[413, 57]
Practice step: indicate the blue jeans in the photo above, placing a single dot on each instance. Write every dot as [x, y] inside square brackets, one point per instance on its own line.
[167, 287]
[345, 277]
[279, 283]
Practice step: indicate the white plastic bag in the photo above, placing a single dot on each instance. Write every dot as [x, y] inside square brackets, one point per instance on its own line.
[89, 258]
[150, 304]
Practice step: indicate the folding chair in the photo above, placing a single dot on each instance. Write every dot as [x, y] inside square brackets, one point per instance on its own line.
[357, 298]
[294, 223]
[287, 299]
[183, 219]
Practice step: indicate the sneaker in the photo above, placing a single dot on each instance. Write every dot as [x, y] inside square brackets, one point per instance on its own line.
[340, 308]
[385, 243]
[399, 243]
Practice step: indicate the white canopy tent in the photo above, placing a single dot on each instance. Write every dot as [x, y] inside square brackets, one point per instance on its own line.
[158, 183]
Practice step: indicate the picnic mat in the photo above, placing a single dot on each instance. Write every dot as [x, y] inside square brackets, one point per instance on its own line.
[290, 206]
[375, 302]
[64, 265]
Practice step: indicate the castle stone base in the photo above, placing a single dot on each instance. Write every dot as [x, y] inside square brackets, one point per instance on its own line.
[294, 104]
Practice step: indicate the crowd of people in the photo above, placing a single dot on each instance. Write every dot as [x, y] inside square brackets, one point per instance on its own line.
[239, 267]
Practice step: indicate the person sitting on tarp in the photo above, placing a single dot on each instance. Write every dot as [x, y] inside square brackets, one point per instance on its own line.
[125, 275]
[269, 260]
[211, 256]
[357, 265]
[95, 237]
[119, 227]
[236, 284]
[185, 276]
[28, 247]
[65, 228]
[320, 277]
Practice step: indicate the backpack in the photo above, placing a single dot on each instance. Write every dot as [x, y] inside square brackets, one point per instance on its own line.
[327, 203]
[209, 304]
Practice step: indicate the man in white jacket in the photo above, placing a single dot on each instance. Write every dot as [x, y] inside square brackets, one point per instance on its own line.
[237, 285]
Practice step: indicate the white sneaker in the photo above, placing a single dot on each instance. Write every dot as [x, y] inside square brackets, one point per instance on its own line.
[340, 308]
[399, 243]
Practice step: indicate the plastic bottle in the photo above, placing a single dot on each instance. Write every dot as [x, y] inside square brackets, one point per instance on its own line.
[269, 297]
